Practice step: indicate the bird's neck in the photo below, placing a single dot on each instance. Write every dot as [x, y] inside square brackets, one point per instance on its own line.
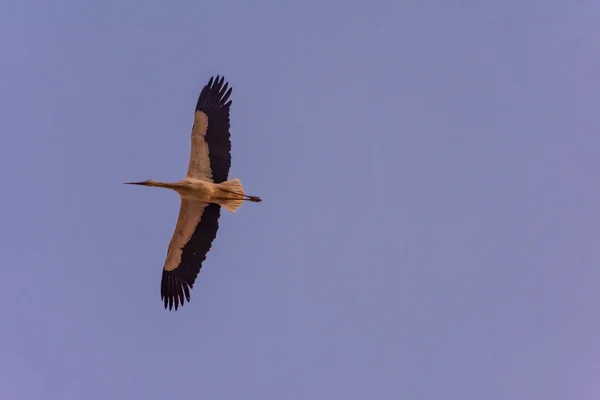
[166, 185]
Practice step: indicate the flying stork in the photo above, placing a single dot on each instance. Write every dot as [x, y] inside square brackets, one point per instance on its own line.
[203, 192]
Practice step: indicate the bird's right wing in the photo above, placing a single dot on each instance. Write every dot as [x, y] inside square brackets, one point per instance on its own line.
[195, 231]
[210, 157]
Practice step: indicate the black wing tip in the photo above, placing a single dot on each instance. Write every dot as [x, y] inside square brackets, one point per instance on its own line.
[175, 288]
[214, 94]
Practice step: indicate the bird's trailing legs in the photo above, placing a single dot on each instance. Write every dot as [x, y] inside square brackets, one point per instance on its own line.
[254, 199]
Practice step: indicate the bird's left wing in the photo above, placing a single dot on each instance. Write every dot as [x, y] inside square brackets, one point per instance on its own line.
[195, 231]
[210, 157]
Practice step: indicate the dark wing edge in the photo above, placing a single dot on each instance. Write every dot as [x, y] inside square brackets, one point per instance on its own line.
[214, 102]
[176, 284]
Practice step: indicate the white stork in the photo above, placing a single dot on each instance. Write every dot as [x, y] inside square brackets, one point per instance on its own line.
[203, 192]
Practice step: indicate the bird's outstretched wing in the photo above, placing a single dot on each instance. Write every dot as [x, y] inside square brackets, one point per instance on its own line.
[195, 231]
[210, 157]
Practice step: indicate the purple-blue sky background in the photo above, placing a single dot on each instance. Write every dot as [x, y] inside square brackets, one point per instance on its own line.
[430, 222]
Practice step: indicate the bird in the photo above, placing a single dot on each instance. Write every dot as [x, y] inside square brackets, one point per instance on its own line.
[203, 192]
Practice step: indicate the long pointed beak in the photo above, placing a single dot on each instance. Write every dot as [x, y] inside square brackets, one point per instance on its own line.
[136, 183]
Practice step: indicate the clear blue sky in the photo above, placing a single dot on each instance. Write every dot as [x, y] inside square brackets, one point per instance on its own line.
[431, 211]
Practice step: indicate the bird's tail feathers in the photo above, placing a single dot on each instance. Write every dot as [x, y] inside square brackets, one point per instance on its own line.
[231, 195]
